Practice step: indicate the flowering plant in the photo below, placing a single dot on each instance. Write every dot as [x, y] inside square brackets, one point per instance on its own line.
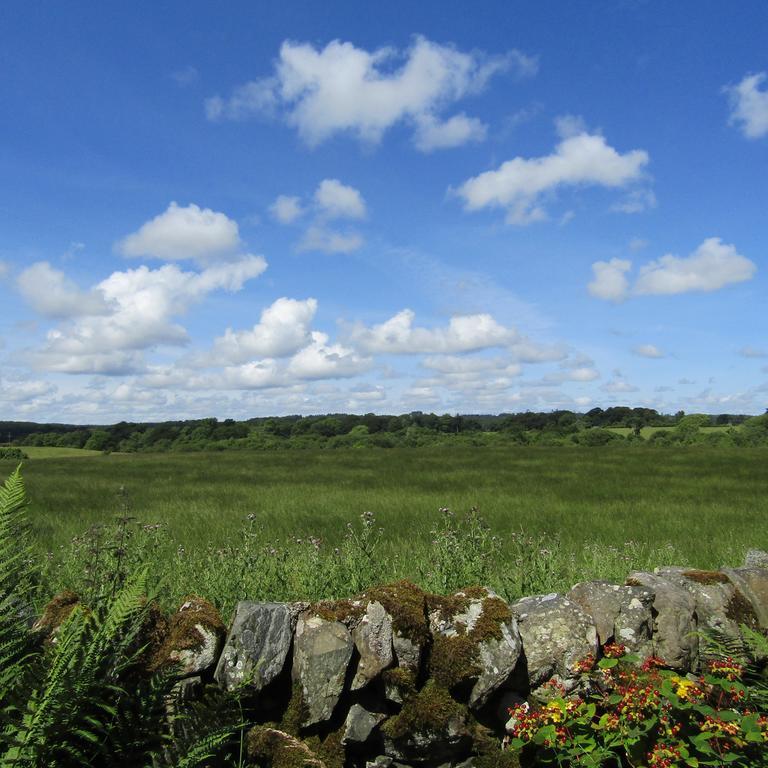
[644, 715]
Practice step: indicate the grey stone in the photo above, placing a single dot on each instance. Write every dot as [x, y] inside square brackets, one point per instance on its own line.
[382, 761]
[360, 724]
[753, 584]
[417, 745]
[675, 625]
[756, 558]
[374, 642]
[720, 606]
[621, 614]
[322, 652]
[557, 634]
[258, 644]
[407, 652]
[496, 657]
[204, 655]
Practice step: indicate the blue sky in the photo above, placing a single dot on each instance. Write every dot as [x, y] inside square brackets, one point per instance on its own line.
[249, 209]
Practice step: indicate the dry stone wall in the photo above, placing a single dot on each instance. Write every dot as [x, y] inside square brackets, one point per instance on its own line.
[398, 677]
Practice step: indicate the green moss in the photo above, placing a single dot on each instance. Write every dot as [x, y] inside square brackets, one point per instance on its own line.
[401, 678]
[329, 749]
[346, 611]
[706, 577]
[56, 611]
[453, 660]
[270, 747]
[488, 627]
[182, 633]
[296, 713]
[427, 712]
[406, 604]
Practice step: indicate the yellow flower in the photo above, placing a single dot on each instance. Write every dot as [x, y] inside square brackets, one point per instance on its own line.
[554, 712]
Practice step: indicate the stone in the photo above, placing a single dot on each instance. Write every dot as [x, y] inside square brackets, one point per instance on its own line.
[407, 652]
[258, 644]
[675, 624]
[431, 726]
[621, 614]
[382, 761]
[487, 623]
[720, 605]
[360, 724]
[557, 634]
[756, 558]
[194, 639]
[374, 642]
[753, 584]
[322, 652]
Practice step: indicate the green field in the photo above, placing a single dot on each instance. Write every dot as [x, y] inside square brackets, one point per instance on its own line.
[609, 509]
[43, 452]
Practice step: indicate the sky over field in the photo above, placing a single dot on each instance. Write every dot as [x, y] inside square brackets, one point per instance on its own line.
[244, 209]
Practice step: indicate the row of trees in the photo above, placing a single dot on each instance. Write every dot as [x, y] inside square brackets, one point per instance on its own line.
[596, 427]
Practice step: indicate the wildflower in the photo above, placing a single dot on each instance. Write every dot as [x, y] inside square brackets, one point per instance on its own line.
[585, 665]
[614, 650]
[664, 756]
[727, 668]
[685, 688]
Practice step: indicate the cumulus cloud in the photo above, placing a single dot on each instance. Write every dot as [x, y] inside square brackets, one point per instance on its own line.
[283, 329]
[320, 238]
[432, 134]
[713, 265]
[51, 293]
[142, 306]
[579, 159]
[345, 89]
[182, 233]
[648, 350]
[322, 360]
[286, 209]
[749, 105]
[335, 200]
[464, 333]
[610, 280]
[331, 201]
[24, 390]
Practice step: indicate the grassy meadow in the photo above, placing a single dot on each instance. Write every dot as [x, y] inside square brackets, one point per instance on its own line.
[563, 513]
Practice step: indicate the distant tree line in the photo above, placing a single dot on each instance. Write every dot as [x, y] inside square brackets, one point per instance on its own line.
[617, 425]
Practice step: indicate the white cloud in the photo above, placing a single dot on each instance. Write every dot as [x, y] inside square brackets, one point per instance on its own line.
[286, 209]
[50, 292]
[462, 364]
[610, 280]
[648, 350]
[526, 351]
[181, 233]
[636, 201]
[335, 200]
[432, 134]
[749, 105]
[618, 386]
[319, 238]
[345, 89]
[24, 390]
[283, 329]
[711, 266]
[4, 269]
[321, 360]
[464, 333]
[143, 304]
[519, 185]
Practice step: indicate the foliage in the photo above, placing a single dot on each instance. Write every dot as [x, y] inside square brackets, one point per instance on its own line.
[80, 693]
[650, 716]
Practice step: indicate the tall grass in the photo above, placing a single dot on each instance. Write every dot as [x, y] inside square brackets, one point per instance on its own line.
[261, 525]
